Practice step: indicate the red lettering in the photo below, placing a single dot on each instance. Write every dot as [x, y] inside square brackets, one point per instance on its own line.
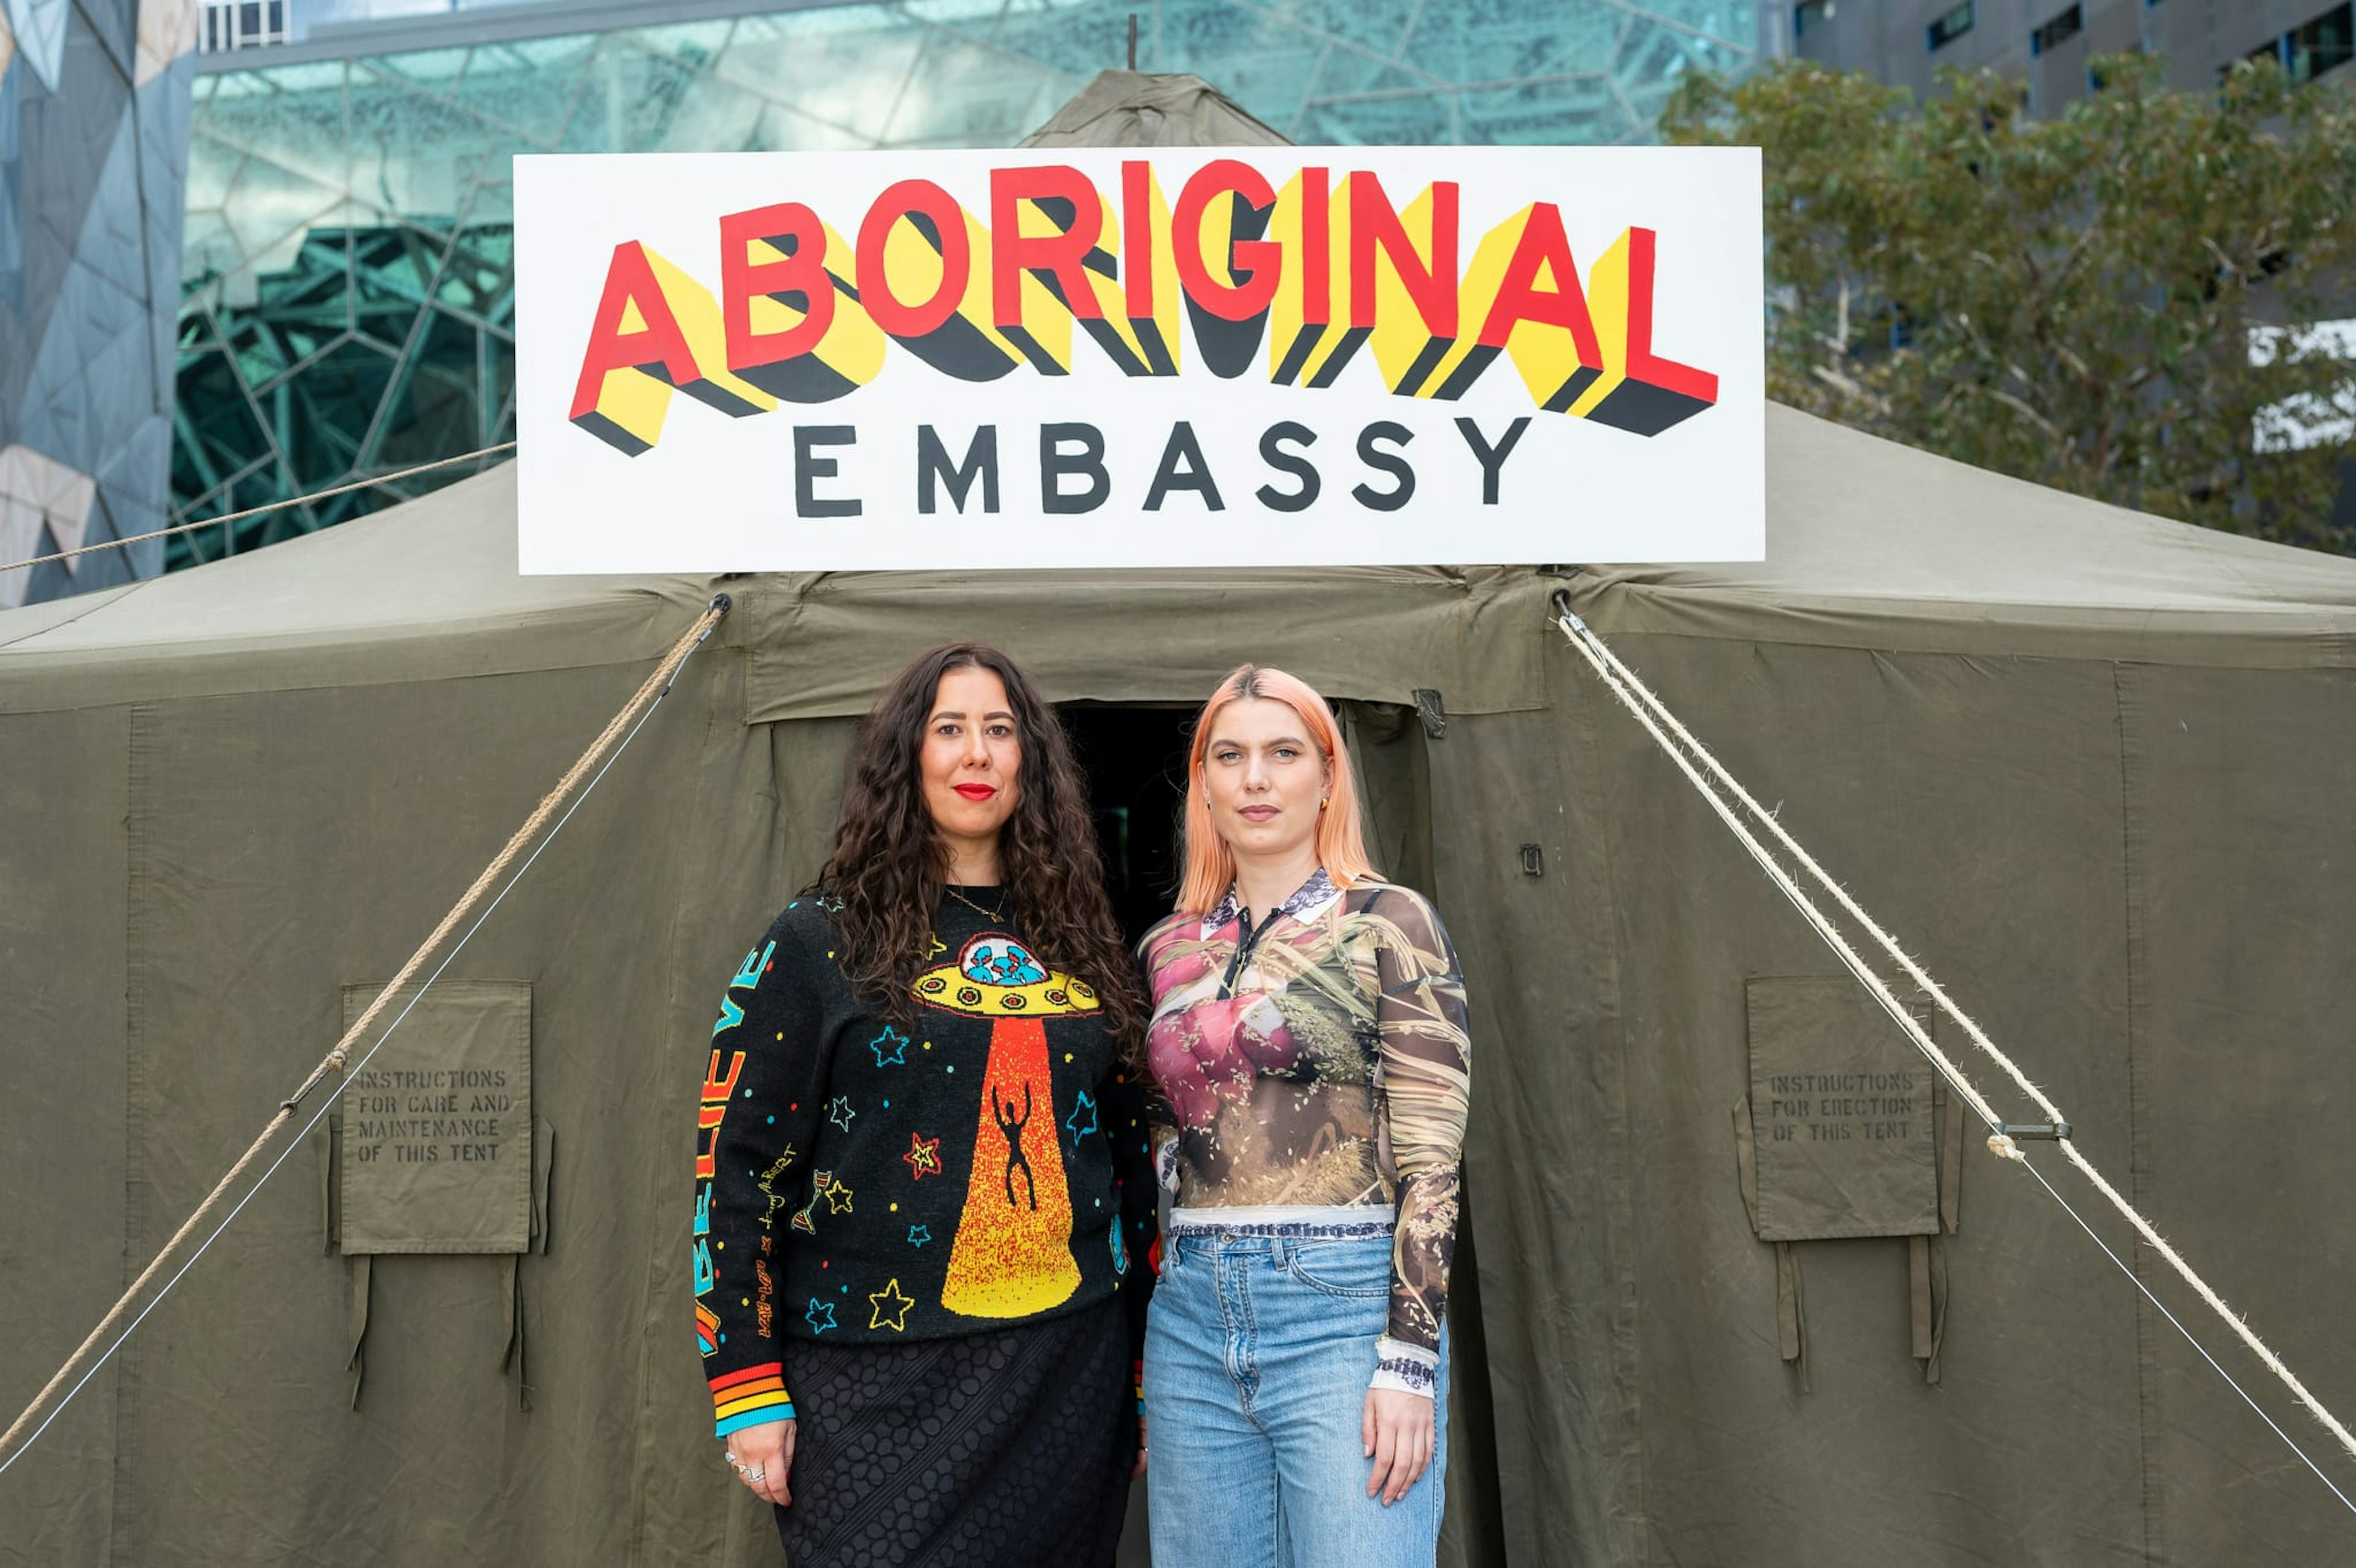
[630, 280]
[1520, 299]
[1012, 252]
[1644, 365]
[1137, 238]
[795, 231]
[886, 309]
[1316, 249]
[716, 1088]
[1375, 222]
[1263, 260]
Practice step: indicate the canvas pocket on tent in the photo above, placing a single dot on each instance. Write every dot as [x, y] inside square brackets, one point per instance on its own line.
[1845, 1133]
[433, 1147]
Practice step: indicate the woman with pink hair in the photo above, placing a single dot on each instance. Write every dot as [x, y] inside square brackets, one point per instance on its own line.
[1308, 1042]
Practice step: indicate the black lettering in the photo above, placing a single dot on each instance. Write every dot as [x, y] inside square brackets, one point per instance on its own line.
[1272, 453]
[933, 466]
[1054, 463]
[808, 470]
[1182, 468]
[1389, 463]
[1492, 458]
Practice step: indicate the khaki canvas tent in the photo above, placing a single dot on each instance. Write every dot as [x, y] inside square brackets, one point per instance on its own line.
[2095, 768]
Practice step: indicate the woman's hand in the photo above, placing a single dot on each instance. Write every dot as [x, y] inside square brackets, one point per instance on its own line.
[761, 1456]
[1398, 1429]
[1140, 1469]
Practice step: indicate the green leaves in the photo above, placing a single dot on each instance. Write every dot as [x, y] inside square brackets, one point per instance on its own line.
[2072, 301]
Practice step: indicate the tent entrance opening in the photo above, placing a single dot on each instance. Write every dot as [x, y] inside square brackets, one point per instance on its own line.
[1135, 759]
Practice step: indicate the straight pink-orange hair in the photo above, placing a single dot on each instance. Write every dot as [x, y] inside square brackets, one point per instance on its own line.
[1341, 838]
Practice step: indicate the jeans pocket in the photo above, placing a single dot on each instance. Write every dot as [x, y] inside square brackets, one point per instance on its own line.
[1354, 1271]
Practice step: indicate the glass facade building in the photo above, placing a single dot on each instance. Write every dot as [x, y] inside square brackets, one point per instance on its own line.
[348, 281]
[93, 103]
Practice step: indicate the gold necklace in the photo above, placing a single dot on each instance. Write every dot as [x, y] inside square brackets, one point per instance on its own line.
[987, 913]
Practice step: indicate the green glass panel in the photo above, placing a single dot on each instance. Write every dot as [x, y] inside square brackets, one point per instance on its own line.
[786, 129]
[516, 98]
[1080, 40]
[1578, 111]
[308, 131]
[1409, 121]
[1494, 45]
[428, 68]
[966, 93]
[316, 75]
[692, 44]
[713, 115]
[1349, 72]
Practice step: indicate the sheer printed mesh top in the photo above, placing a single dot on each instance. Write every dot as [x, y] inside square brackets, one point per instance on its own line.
[1317, 1062]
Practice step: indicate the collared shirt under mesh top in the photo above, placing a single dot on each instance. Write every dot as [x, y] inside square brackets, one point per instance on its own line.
[1317, 1062]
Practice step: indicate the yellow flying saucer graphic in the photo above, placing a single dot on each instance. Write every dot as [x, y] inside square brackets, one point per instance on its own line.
[996, 977]
[1012, 1256]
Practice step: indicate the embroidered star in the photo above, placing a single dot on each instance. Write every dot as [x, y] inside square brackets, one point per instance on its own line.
[891, 1309]
[839, 1113]
[940, 948]
[1086, 1108]
[919, 1235]
[924, 1156]
[837, 1199]
[890, 1048]
[816, 1307]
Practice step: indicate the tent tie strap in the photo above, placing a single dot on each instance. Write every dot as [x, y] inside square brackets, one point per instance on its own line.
[616, 734]
[2042, 1132]
[1693, 759]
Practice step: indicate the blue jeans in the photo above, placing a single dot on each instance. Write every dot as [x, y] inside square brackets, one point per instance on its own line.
[1258, 1350]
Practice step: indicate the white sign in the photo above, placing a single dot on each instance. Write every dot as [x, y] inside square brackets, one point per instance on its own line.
[773, 362]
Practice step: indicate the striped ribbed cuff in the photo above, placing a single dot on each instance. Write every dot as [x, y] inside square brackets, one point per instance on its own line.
[1409, 1368]
[1138, 1367]
[749, 1397]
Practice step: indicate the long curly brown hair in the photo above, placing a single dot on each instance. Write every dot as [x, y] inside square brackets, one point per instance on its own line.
[888, 868]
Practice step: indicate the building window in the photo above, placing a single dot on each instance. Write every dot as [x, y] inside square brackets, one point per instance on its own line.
[2327, 41]
[2066, 26]
[228, 25]
[1810, 15]
[1947, 29]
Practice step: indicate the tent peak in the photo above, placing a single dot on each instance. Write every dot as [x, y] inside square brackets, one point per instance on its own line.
[1140, 109]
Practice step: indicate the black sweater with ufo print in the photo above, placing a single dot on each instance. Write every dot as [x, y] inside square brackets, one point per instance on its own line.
[862, 1181]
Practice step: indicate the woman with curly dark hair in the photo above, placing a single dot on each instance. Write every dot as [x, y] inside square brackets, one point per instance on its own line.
[923, 1198]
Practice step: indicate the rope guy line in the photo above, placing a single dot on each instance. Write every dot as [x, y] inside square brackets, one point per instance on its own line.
[601, 755]
[369, 483]
[1691, 758]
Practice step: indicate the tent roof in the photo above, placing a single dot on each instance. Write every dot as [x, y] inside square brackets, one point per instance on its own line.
[1870, 545]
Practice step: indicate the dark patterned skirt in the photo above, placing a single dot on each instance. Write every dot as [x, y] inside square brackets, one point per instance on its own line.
[1007, 1447]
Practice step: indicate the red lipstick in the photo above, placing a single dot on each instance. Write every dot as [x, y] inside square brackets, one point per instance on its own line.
[977, 791]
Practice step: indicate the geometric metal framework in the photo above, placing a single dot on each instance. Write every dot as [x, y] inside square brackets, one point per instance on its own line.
[348, 295]
[374, 349]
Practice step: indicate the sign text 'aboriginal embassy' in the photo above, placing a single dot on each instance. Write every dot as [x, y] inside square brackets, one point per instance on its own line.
[824, 361]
